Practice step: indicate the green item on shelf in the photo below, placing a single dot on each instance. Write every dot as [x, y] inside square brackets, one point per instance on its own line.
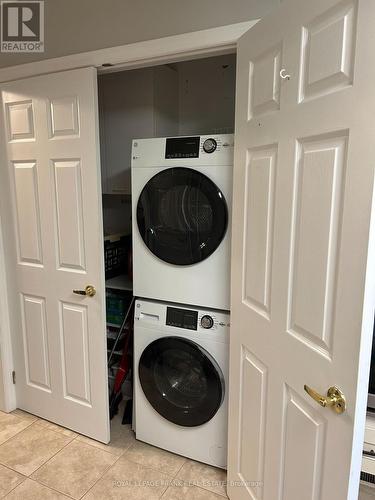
[115, 306]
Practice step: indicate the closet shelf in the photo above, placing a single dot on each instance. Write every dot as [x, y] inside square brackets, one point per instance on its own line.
[121, 282]
[113, 325]
[117, 353]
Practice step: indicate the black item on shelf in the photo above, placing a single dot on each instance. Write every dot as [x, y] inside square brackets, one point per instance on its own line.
[114, 404]
[371, 387]
[116, 250]
[127, 418]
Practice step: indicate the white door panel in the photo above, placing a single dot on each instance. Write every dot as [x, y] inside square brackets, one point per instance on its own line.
[60, 343]
[302, 310]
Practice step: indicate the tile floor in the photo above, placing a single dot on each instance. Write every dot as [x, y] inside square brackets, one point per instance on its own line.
[43, 461]
[366, 493]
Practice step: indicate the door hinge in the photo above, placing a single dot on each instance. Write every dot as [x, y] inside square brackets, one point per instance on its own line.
[13, 377]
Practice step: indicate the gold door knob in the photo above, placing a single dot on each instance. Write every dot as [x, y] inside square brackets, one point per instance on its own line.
[89, 291]
[334, 399]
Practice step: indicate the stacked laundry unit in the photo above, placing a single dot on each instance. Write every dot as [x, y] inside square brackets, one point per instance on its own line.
[181, 196]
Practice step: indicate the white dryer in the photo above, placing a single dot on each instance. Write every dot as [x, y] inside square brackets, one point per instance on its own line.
[181, 200]
[180, 379]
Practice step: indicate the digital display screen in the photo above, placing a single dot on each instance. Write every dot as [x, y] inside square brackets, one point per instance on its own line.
[182, 318]
[182, 147]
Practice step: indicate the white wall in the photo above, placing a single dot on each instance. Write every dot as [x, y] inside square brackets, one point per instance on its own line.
[117, 211]
[74, 26]
[207, 95]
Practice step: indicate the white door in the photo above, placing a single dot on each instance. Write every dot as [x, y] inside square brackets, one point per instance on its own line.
[302, 284]
[54, 178]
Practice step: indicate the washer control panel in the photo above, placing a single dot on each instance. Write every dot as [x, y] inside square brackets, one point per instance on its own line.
[182, 318]
[213, 321]
[197, 320]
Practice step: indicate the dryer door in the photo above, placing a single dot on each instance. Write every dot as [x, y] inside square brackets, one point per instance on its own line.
[182, 216]
[181, 380]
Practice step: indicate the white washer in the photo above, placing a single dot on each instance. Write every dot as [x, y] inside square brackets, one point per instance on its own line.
[180, 379]
[181, 200]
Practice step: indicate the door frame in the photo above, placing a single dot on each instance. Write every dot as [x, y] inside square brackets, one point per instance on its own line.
[171, 49]
[194, 45]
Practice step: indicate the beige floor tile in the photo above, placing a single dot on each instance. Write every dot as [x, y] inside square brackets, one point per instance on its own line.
[24, 415]
[54, 427]
[10, 425]
[155, 458]
[30, 490]
[128, 480]
[121, 438]
[185, 492]
[8, 480]
[366, 493]
[31, 448]
[204, 476]
[75, 469]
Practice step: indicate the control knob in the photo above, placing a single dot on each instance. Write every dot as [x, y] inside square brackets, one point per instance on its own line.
[209, 145]
[207, 321]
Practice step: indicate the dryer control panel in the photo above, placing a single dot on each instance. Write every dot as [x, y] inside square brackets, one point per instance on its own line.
[185, 151]
[190, 147]
[182, 147]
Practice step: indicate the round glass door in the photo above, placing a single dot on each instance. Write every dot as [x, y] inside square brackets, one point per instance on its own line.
[181, 380]
[182, 216]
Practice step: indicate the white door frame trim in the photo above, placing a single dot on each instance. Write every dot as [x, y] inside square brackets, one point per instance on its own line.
[7, 390]
[170, 49]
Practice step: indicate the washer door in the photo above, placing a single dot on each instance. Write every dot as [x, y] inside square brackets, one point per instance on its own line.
[182, 216]
[181, 380]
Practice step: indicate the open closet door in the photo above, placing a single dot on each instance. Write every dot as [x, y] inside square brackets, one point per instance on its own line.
[51, 128]
[302, 263]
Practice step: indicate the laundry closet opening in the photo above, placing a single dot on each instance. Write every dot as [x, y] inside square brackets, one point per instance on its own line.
[189, 99]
